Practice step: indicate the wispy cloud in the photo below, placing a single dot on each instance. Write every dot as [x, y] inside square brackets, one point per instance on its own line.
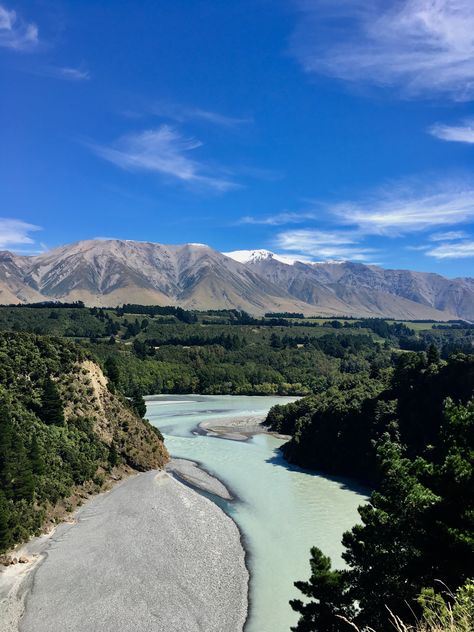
[450, 235]
[457, 250]
[337, 245]
[279, 219]
[458, 133]
[67, 73]
[15, 33]
[182, 114]
[14, 232]
[400, 211]
[417, 46]
[71, 74]
[351, 229]
[165, 151]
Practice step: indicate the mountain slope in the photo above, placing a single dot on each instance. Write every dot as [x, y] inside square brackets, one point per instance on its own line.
[114, 271]
[111, 272]
[355, 288]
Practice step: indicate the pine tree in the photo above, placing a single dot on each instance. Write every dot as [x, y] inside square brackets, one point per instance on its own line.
[112, 370]
[433, 354]
[23, 482]
[328, 590]
[6, 453]
[138, 403]
[36, 457]
[114, 458]
[51, 412]
[5, 531]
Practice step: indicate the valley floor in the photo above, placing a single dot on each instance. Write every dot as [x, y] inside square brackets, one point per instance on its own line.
[151, 554]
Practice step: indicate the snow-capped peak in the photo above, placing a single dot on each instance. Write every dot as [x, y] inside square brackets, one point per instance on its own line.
[255, 256]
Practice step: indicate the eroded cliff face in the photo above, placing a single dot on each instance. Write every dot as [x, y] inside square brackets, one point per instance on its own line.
[86, 395]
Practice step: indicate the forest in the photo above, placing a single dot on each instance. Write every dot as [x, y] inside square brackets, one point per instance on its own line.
[155, 349]
[409, 434]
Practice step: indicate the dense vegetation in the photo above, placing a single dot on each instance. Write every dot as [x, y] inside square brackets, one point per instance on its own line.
[167, 349]
[59, 432]
[410, 432]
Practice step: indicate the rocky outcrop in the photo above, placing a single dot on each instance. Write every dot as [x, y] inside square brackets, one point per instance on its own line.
[86, 396]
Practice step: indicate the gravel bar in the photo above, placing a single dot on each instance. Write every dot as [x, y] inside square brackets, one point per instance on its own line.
[192, 473]
[150, 555]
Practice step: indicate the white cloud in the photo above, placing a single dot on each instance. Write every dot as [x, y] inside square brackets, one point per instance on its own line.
[418, 46]
[182, 114]
[16, 34]
[164, 150]
[335, 245]
[72, 74]
[14, 232]
[279, 219]
[400, 211]
[457, 133]
[451, 235]
[458, 250]
[68, 73]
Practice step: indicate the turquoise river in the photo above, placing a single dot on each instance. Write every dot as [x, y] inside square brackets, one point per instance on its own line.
[281, 511]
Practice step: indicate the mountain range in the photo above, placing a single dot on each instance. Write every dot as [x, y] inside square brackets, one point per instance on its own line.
[112, 272]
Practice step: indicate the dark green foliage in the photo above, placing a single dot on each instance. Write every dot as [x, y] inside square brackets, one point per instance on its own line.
[5, 531]
[51, 411]
[112, 370]
[328, 595]
[36, 457]
[138, 403]
[114, 458]
[419, 525]
[337, 430]
[40, 459]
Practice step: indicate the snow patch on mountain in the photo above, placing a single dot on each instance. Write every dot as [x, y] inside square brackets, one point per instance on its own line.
[255, 256]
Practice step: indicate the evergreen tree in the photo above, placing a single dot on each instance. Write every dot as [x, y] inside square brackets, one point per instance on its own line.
[51, 412]
[5, 531]
[114, 458]
[330, 600]
[6, 452]
[112, 370]
[22, 481]
[36, 457]
[138, 403]
[432, 354]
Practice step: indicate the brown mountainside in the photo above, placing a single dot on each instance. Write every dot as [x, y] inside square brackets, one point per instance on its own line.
[111, 272]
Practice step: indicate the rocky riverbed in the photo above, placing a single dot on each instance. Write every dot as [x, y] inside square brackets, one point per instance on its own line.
[150, 555]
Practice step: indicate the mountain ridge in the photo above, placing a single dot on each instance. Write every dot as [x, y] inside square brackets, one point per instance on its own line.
[195, 276]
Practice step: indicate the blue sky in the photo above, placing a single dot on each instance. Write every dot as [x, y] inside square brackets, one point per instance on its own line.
[323, 129]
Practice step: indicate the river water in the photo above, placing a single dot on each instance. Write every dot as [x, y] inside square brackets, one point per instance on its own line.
[281, 511]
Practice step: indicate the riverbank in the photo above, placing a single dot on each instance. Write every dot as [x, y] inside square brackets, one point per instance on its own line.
[193, 474]
[149, 554]
[239, 428]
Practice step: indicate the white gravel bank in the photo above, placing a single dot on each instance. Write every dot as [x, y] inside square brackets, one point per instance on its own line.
[150, 555]
[193, 474]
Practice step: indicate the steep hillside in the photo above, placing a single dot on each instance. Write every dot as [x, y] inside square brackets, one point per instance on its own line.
[63, 434]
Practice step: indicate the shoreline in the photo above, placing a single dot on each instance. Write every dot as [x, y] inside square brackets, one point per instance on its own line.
[197, 533]
[237, 428]
[193, 474]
